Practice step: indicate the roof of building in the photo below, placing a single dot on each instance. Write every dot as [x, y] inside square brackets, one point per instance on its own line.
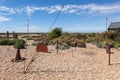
[114, 25]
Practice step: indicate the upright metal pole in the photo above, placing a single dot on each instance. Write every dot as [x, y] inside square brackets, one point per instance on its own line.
[26, 41]
[106, 30]
[28, 30]
[106, 23]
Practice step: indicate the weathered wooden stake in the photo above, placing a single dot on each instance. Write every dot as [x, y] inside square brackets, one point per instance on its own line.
[108, 50]
[7, 34]
[18, 56]
[13, 34]
[75, 45]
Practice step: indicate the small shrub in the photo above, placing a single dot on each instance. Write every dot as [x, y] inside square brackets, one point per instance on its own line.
[101, 45]
[94, 42]
[34, 44]
[13, 41]
[90, 39]
[112, 35]
[117, 45]
[63, 47]
[19, 44]
[5, 42]
[42, 41]
[45, 42]
[55, 33]
[81, 45]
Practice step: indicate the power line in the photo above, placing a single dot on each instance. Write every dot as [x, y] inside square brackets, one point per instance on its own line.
[56, 19]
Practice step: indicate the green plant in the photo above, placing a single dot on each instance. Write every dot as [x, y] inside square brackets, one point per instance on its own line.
[101, 45]
[34, 44]
[19, 44]
[5, 42]
[90, 39]
[81, 45]
[63, 47]
[112, 35]
[117, 45]
[55, 33]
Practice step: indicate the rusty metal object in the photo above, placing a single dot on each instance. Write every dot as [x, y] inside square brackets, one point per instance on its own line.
[42, 48]
[18, 57]
[108, 50]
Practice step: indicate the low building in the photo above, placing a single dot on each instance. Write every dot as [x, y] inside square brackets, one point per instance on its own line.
[114, 26]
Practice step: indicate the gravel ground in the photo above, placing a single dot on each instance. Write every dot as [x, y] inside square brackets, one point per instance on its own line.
[89, 63]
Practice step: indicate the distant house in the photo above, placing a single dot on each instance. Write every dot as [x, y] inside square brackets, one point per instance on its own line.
[114, 26]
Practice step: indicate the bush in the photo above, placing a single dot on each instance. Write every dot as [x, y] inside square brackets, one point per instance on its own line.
[5, 42]
[55, 33]
[63, 47]
[117, 45]
[90, 39]
[42, 41]
[19, 44]
[81, 45]
[101, 45]
[34, 44]
[13, 41]
[112, 35]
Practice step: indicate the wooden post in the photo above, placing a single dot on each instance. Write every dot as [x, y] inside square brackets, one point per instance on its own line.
[75, 45]
[7, 34]
[13, 34]
[28, 30]
[109, 53]
[18, 56]
[57, 46]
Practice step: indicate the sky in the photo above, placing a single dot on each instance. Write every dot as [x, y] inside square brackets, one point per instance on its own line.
[76, 15]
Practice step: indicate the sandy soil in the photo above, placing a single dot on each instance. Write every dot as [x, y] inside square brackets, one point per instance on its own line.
[89, 63]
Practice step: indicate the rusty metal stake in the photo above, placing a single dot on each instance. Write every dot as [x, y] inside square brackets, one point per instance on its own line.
[109, 54]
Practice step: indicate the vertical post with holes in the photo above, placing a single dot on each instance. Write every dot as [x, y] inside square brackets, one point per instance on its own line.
[108, 47]
[109, 58]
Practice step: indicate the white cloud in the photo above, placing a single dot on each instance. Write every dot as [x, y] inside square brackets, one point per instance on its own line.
[30, 9]
[5, 9]
[92, 9]
[4, 19]
[53, 9]
[79, 9]
[68, 9]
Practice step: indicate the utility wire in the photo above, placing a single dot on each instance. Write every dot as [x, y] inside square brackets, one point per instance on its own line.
[47, 32]
[56, 19]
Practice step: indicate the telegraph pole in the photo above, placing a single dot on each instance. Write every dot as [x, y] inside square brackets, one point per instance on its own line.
[106, 23]
[28, 29]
